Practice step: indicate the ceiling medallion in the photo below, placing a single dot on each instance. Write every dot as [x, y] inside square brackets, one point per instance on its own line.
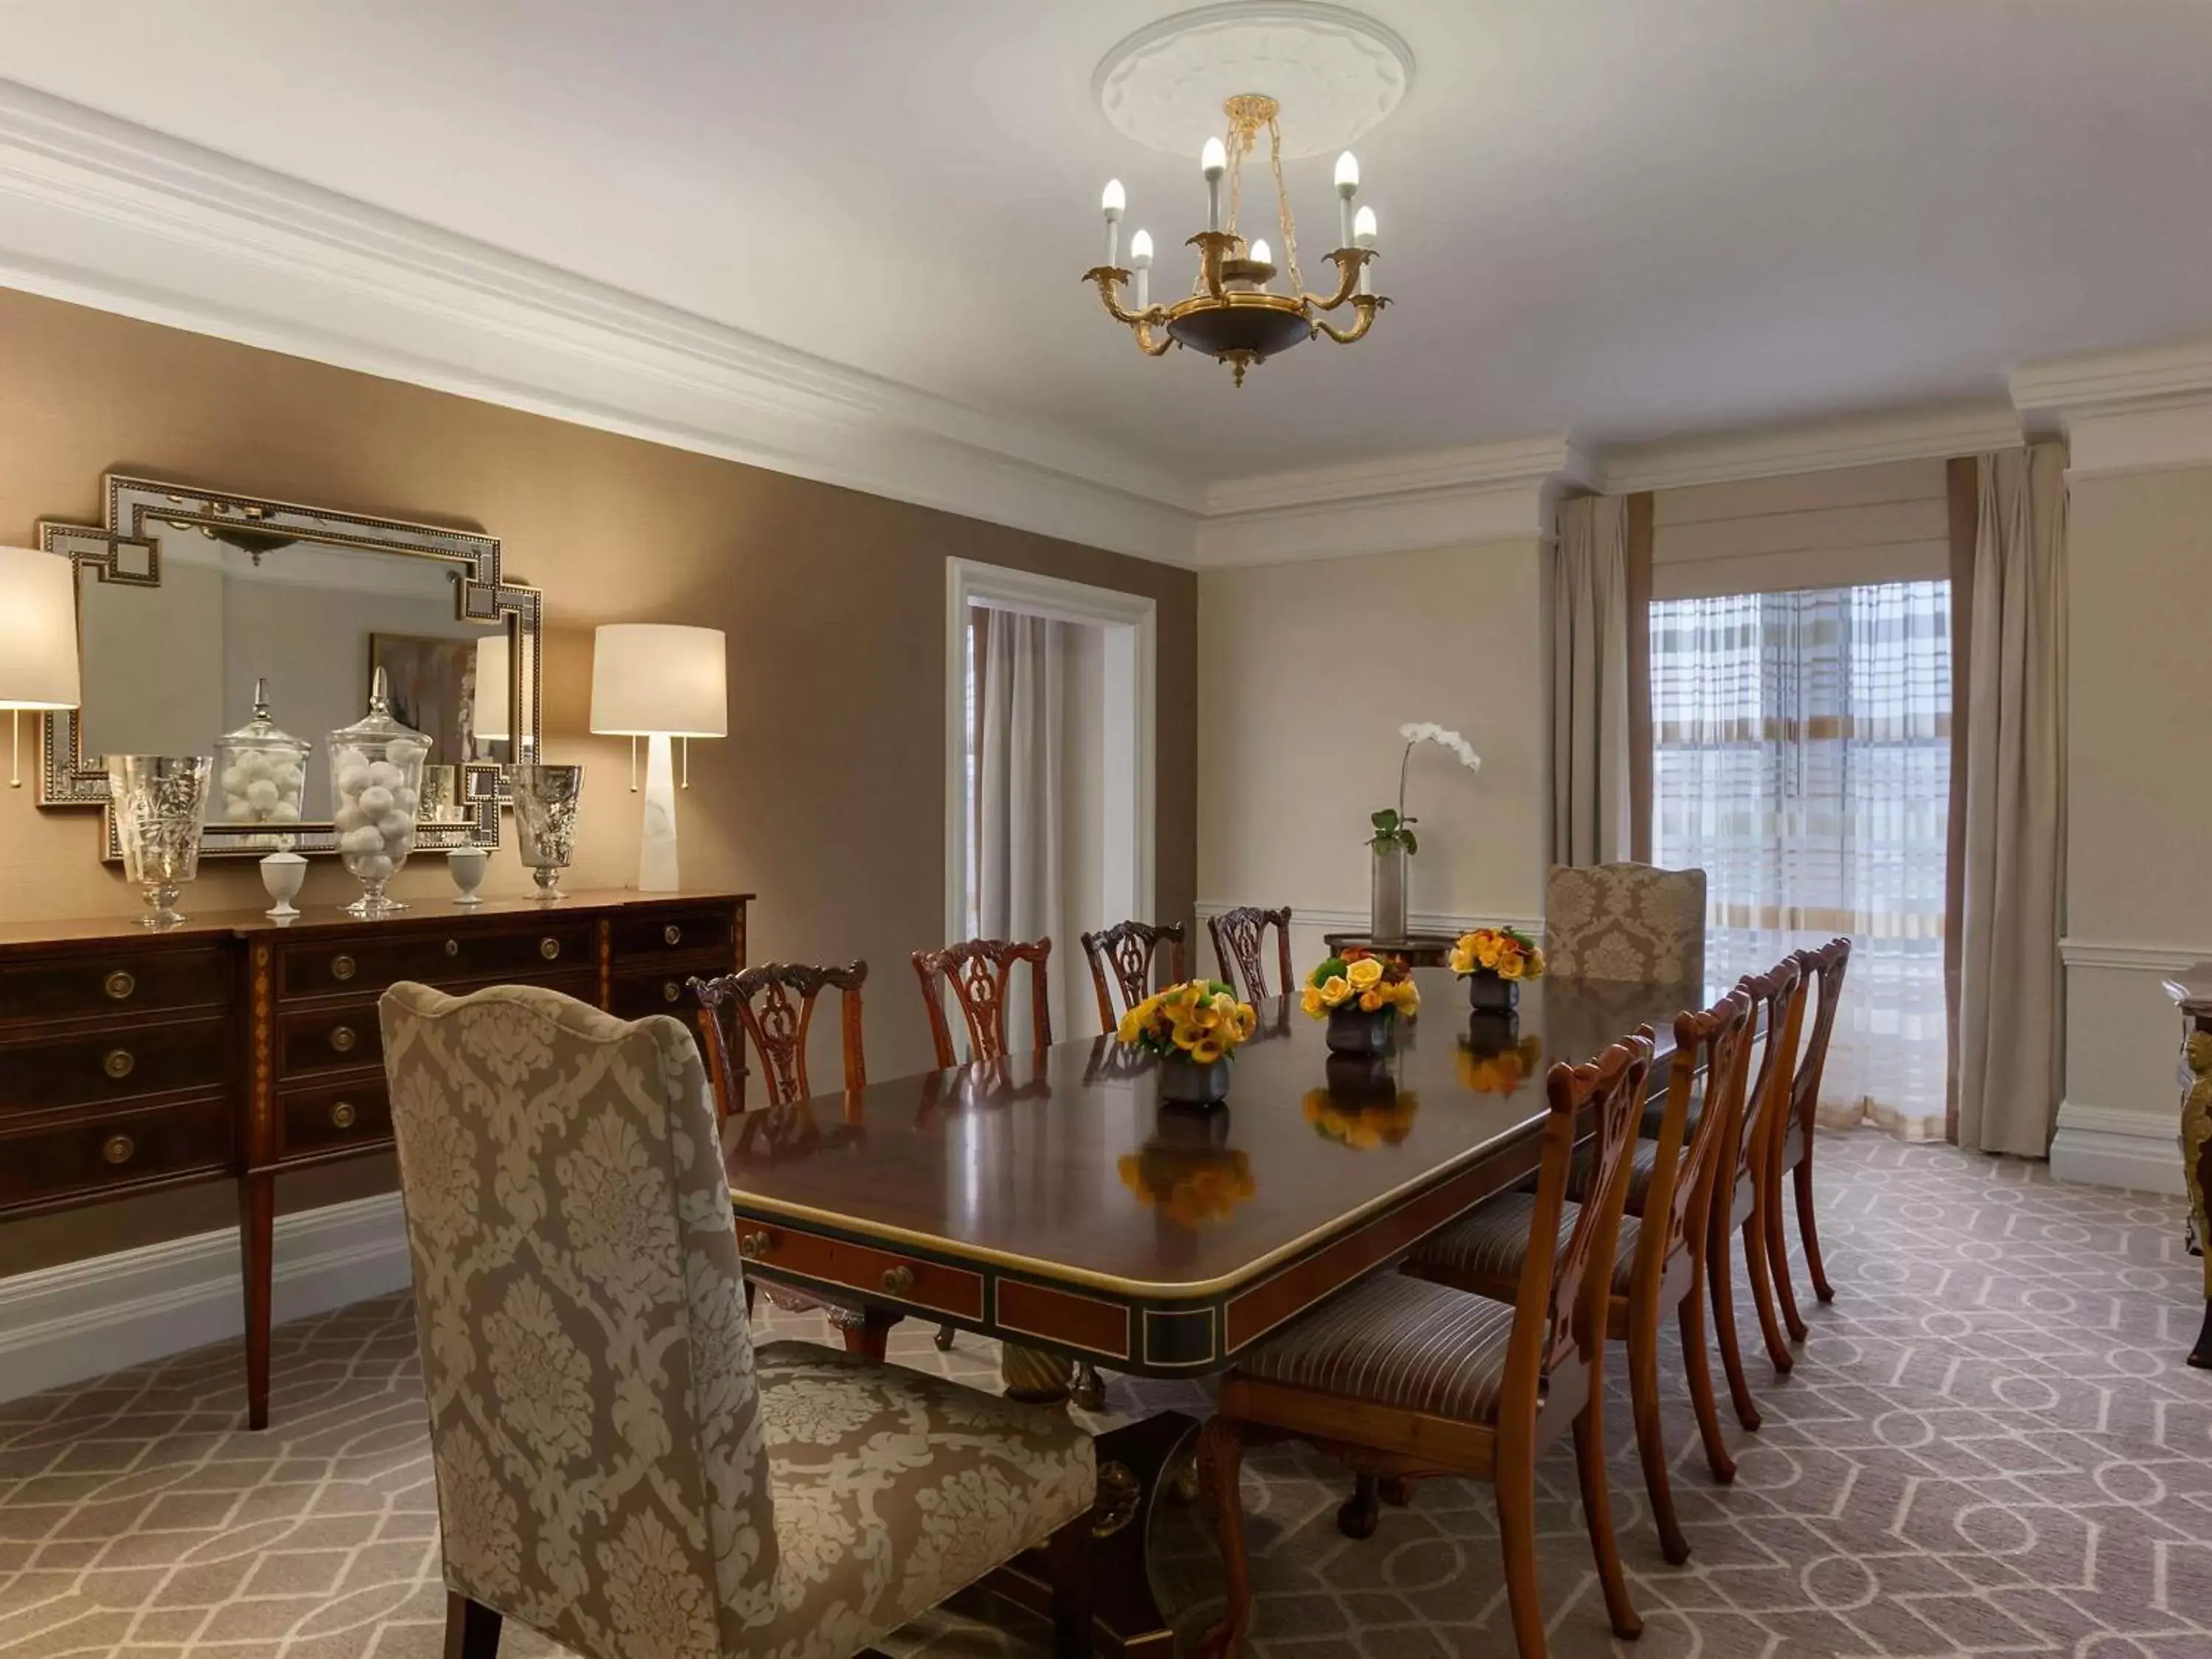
[1159, 86]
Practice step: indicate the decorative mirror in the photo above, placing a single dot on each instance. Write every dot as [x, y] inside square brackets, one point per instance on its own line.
[191, 602]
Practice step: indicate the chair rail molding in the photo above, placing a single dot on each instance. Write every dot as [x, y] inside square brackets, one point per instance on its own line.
[2148, 958]
[101, 212]
[60, 1325]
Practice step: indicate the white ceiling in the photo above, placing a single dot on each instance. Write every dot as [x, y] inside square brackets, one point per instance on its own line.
[1628, 220]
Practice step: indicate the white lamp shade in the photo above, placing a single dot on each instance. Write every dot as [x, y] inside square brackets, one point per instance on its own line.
[37, 630]
[493, 689]
[649, 677]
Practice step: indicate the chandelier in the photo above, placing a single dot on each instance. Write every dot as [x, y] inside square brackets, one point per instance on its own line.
[1233, 314]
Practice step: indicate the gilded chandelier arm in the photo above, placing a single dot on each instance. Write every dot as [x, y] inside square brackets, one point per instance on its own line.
[1367, 305]
[1350, 261]
[1149, 345]
[1214, 247]
[1108, 279]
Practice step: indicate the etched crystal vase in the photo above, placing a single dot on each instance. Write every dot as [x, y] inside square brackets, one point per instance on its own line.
[159, 802]
[546, 802]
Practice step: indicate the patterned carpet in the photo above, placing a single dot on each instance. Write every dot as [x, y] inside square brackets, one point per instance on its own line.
[1990, 1446]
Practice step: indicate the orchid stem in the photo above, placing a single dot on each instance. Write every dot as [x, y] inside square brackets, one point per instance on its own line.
[1404, 760]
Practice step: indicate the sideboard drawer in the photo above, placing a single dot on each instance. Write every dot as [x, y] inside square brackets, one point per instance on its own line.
[327, 1115]
[329, 1039]
[139, 1059]
[129, 980]
[464, 955]
[661, 991]
[878, 1275]
[640, 935]
[115, 1148]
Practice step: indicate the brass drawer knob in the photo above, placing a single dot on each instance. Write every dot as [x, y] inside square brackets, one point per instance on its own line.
[452, 947]
[672, 934]
[344, 966]
[753, 1246]
[342, 1115]
[342, 1039]
[119, 985]
[549, 948]
[119, 1063]
[117, 1149]
[898, 1281]
[671, 992]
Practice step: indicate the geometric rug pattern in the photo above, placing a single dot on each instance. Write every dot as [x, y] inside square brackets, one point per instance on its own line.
[1990, 1446]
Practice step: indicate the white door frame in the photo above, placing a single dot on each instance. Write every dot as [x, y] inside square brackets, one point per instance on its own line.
[1130, 622]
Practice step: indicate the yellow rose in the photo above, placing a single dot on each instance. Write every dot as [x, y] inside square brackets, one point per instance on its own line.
[1408, 998]
[1487, 951]
[1510, 967]
[1335, 989]
[1461, 960]
[1363, 973]
[1309, 999]
[1131, 1028]
[1535, 964]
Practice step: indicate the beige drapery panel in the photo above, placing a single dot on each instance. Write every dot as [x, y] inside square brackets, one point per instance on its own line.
[1021, 673]
[2011, 1011]
[1587, 600]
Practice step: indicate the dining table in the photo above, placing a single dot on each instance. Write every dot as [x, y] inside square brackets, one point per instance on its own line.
[1050, 1200]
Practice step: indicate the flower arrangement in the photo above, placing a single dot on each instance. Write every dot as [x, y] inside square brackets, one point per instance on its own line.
[1505, 951]
[1190, 1187]
[1383, 1123]
[1395, 829]
[1200, 1020]
[1359, 981]
[1499, 1070]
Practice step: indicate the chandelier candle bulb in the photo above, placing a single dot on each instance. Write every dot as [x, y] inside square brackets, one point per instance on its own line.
[1115, 202]
[1262, 255]
[1140, 261]
[1347, 186]
[1214, 162]
[1363, 236]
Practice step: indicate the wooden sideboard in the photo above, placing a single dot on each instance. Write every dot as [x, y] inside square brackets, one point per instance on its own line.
[238, 1047]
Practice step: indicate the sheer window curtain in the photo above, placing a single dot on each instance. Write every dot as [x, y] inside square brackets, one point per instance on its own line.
[1020, 675]
[1803, 760]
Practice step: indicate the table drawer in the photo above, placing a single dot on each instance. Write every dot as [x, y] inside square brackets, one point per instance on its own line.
[321, 1117]
[463, 956]
[105, 1150]
[129, 979]
[124, 1063]
[641, 936]
[877, 1275]
[661, 992]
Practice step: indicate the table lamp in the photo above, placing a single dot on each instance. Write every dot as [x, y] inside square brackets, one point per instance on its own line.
[660, 681]
[38, 641]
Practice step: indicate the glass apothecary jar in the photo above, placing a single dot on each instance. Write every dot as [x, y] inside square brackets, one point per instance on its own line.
[260, 770]
[376, 785]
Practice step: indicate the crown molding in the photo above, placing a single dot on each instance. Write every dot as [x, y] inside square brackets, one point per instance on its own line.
[2147, 410]
[1823, 446]
[1471, 497]
[98, 211]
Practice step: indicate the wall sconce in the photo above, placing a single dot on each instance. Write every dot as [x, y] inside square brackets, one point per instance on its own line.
[38, 641]
[660, 681]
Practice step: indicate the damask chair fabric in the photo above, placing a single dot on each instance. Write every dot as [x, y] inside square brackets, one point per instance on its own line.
[1625, 922]
[615, 1467]
[1121, 964]
[1240, 938]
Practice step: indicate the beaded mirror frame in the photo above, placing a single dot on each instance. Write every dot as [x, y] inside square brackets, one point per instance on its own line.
[123, 552]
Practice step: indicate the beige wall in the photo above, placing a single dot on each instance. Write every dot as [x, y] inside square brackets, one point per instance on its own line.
[828, 796]
[1305, 673]
[2139, 854]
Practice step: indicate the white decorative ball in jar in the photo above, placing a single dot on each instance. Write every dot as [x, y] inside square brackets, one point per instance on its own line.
[261, 772]
[376, 783]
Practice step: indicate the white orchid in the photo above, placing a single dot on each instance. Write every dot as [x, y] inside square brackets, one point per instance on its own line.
[1395, 828]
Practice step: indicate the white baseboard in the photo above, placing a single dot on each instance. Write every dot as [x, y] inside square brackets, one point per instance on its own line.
[2104, 1146]
[85, 1319]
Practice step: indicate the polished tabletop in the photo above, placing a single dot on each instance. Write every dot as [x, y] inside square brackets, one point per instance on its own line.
[1065, 1160]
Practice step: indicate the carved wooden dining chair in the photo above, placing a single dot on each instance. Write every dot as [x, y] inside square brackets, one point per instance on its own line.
[617, 1466]
[1120, 958]
[1744, 1184]
[1659, 1264]
[1238, 937]
[980, 974]
[1793, 1145]
[1403, 1379]
[1625, 922]
[755, 1004]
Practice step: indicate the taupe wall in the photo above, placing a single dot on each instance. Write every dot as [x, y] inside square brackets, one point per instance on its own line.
[828, 796]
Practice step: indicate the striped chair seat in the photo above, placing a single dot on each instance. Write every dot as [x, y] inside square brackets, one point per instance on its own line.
[1399, 1342]
[1642, 1159]
[1484, 1251]
[1655, 1113]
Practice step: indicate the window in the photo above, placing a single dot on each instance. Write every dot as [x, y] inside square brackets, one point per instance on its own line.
[1803, 760]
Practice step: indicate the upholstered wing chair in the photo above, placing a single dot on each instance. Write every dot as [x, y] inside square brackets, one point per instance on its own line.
[1625, 922]
[617, 1467]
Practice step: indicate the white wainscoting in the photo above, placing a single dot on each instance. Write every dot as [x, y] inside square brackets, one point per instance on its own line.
[2120, 1121]
[85, 1319]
